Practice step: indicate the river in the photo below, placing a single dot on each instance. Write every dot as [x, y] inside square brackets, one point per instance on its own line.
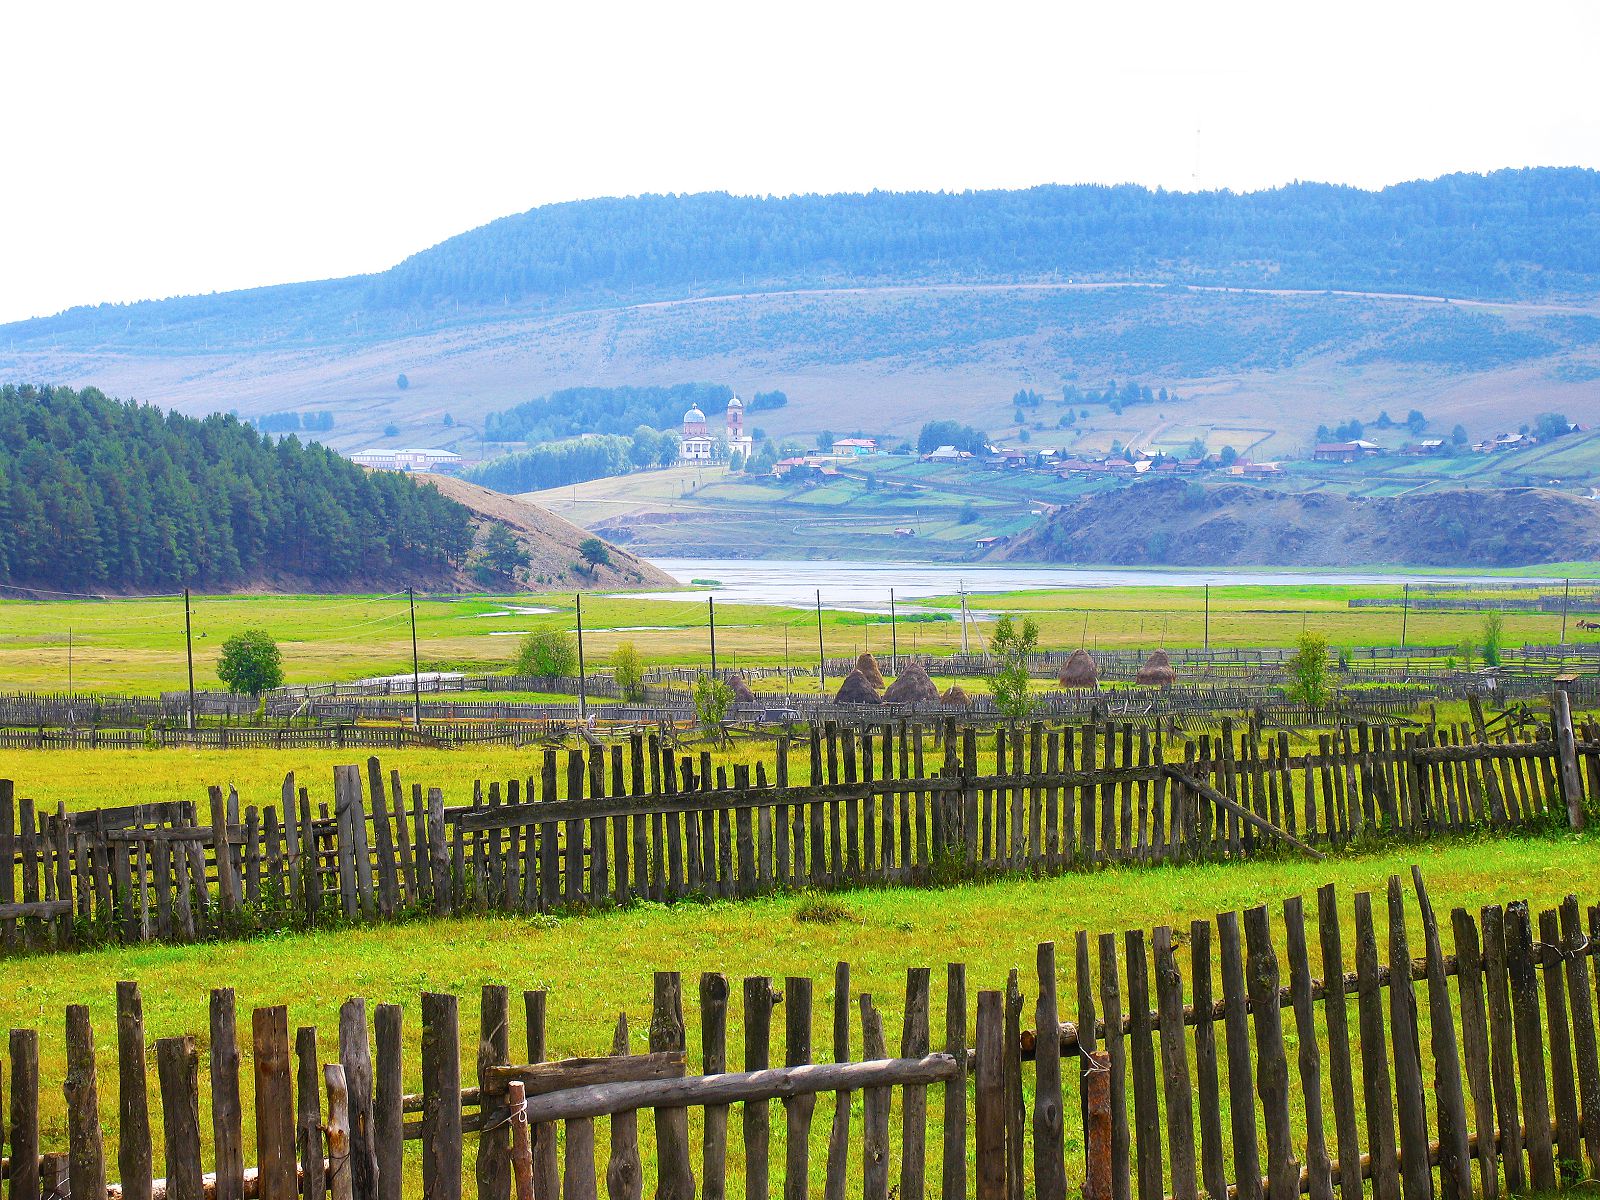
[864, 586]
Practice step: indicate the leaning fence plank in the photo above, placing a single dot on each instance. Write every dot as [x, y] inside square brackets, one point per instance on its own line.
[338, 1132]
[1563, 1084]
[1319, 1175]
[1272, 1064]
[1336, 1014]
[133, 1101]
[1502, 1046]
[178, 1070]
[1241, 1107]
[1575, 952]
[1530, 1045]
[1475, 1047]
[1142, 1067]
[757, 1114]
[1410, 1104]
[1455, 1155]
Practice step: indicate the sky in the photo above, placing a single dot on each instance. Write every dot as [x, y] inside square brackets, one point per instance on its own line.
[170, 148]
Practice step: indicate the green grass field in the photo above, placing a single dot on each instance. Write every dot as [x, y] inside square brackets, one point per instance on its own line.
[599, 965]
[137, 645]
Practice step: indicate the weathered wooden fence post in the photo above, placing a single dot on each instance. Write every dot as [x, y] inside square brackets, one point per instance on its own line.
[133, 1104]
[178, 1067]
[1567, 749]
[275, 1123]
[227, 1114]
[441, 1097]
[1097, 1127]
[86, 1146]
[990, 1163]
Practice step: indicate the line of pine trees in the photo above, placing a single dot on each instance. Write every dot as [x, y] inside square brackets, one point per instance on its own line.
[98, 494]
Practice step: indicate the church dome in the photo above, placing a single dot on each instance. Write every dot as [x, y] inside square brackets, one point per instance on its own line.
[736, 403]
[694, 415]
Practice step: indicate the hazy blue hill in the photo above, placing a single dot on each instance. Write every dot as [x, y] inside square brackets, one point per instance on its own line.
[1509, 235]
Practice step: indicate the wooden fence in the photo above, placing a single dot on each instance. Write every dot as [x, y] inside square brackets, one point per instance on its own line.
[639, 819]
[1175, 1077]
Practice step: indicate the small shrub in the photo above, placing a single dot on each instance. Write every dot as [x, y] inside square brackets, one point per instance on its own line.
[821, 910]
[1494, 630]
[627, 668]
[1308, 670]
[712, 699]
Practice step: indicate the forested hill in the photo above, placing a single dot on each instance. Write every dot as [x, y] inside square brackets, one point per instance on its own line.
[1509, 234]
[99, 495]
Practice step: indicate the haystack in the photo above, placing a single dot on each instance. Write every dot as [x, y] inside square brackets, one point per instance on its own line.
[955, 697]
[857, 689]
[912, 686]
[741, 690]
[1080, 671]
[1157, 670]
[868, 666]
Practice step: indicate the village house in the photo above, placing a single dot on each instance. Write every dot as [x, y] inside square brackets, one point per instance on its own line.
[854, 447]
[1345, 451]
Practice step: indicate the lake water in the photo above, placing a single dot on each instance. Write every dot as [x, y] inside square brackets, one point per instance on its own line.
[864, 586]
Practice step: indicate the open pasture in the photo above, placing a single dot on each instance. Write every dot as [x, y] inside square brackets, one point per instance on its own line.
[136, 645]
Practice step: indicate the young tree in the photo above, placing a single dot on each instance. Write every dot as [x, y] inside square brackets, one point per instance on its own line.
[712, 699]
[627, 668]
[1416, 422]
[1011, 644]
[1228, 457]
[594, 553]
[250, 663]
[549, 652]
[1494, 629]
[1308, 669]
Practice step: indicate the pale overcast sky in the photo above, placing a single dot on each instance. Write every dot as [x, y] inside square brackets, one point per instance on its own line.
[155, 149]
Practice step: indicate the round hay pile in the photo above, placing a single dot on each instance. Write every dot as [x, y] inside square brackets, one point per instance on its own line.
[1080, 671]
[1157, 670]
[741, 690]
[955, 697]
[857, 689]
[868, 666]
[912, 686]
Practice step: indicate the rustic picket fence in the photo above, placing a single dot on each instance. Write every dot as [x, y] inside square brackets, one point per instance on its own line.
[640, 820]
[1489, 1080]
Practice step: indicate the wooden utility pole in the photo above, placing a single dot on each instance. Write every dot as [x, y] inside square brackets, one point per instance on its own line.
[822, 664]
[1208, 617]
[583, 700]
[416, 677]
[711, 618]
[188, 641]
[894, 640]
[1405, 613]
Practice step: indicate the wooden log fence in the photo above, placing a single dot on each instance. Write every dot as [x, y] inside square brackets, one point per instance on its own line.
[1487, 1075]
[839, 806]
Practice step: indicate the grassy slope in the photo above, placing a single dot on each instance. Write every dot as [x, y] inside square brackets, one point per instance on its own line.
[598, 966]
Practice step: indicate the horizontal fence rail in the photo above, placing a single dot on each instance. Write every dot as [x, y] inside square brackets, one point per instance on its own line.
[638, 819]
[1302, 1049]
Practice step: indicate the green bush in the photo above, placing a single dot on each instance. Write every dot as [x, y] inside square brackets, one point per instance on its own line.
[1308, 669]
[250, 663]
[627, 668]
[548, 652]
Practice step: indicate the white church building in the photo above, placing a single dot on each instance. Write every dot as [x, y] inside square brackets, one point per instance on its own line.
[699, 446]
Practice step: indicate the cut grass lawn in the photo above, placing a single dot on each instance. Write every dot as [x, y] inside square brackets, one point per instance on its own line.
[598, 965]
